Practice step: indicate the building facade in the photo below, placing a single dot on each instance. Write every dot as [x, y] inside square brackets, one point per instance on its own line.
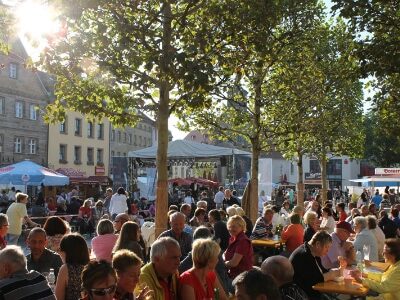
[80, 144]
[123, 140]
[23, 97]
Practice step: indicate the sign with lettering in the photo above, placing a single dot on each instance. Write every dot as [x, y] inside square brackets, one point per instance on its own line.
[387, 171]
[99, 170]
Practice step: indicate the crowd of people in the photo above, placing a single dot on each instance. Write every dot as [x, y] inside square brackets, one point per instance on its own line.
[206, 253]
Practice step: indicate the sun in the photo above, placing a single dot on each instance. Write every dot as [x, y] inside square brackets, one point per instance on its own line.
[35, 18]
[37, 23]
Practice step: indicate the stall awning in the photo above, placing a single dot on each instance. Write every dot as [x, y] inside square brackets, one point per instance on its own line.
[79, 177]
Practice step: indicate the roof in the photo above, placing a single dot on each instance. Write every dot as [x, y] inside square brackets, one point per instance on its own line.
[183, 148]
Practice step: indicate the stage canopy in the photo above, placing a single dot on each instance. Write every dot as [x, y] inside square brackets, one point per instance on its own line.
[183, 148]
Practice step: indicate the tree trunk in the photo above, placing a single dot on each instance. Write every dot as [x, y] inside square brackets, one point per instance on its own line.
[162, 126]
[324, 189]
[254, 183]
[300, 182]
[255, 153]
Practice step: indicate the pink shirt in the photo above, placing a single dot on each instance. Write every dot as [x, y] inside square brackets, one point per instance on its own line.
[103, 245]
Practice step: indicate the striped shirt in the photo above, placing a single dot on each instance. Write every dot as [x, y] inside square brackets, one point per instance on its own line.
[261, 230]
[24, 285]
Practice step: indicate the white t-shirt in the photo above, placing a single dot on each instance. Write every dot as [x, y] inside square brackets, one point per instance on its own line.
[118, 204]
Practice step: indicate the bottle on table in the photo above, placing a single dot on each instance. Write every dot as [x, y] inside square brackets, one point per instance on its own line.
[51, 279]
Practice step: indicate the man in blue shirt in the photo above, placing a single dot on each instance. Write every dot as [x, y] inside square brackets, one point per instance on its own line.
[377, 199]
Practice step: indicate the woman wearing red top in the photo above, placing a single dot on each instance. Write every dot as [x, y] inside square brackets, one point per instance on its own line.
[239, 254]
[199, 282]
[340, 208]
[293, 233]
[85, 217]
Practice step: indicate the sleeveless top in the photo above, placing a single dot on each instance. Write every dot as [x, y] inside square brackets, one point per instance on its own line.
[200, 292]
[73, 289]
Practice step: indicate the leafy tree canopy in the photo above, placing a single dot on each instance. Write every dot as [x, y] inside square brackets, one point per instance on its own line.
[115, 55]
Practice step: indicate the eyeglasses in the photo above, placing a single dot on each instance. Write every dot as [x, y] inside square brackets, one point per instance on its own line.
[106, 291]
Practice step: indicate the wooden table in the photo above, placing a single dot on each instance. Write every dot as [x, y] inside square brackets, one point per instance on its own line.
[356, 289]
[269, 243]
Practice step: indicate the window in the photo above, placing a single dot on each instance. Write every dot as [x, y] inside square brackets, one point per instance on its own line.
[77, 155]
[149, 143]
[100, 131]
[63, 153]
[130, 139]
[118, 154]
[113, 135]
[78, 127]
[32, 112]
[140, 141]
[119, 136]
[314, 166]
[1, 142]
[2, 107]
[90, 156]
[100, 156]
[134, 140]
[63, 127]
[18, 145]
[125, 137]
[32, 146]
[112, 153]
[124, 154]
[13, 71]
[90, 130]
[19, 109]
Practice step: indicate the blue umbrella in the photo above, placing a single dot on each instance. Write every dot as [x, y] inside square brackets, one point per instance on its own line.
[29, 173]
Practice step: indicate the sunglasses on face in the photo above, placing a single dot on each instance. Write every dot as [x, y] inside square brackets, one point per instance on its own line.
[106, 291]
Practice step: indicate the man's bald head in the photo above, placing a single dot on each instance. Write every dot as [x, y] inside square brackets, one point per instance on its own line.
[279, 268]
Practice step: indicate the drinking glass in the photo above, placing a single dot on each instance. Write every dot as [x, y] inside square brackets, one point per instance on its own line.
[366, 250]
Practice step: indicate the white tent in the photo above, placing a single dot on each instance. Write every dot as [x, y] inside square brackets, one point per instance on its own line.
[378, 181]
[183, 148]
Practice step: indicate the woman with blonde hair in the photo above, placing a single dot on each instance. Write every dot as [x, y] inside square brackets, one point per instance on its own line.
[312, 225]
[239, 254]
[17, 213]
[103, 243]
[200, 282]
